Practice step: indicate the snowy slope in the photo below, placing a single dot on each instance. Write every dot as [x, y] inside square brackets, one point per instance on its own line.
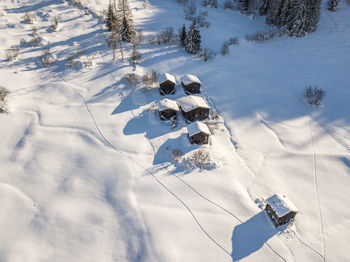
[86, 168]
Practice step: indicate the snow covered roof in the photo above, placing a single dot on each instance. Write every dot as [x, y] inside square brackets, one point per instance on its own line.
[281, 204]
[197, 127]
[168, 104]
[191, 102]
[188, 79]
[166, 77]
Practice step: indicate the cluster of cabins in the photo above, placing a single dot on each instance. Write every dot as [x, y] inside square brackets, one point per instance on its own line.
[193, 107]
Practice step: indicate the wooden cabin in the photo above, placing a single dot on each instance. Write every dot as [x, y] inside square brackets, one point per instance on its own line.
[167, 84]
[191, 84]
[194, 108]
[167, 109]
[280, 209]
[198, 133]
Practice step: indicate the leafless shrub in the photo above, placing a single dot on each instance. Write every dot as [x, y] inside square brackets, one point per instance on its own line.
[210, 3]
[71, 62]
[149, 80]
[182, 2]
[80, 52]
[190, 10]
[176, 155]
[30, 18]
[151, 39]
[165, 36]
[47, 59]
[2, 11]
[35, 31]
[206, 54]
[200, 159]
[233, 41]
[261, 37]
[55, 23]
[314, 95]
[133, 80]
[202, 21]
[228, 4]
[225, 47]
[12, 53]
[3, 103]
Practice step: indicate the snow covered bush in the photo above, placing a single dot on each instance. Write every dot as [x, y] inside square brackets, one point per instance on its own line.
[261, 37]
[3, 93]
[193, 39]
[225, 47]
[202, 21]
[190, 10]
[165, 36]
[132, 79]
[135, 56]
[56, 23]
[228, 4]
[314, 95]
[333, 5]
[12, 53]
[149, 80]
[210, 3]
[201, 159]
[30, 18]
[48, 59]
[206, 54]
[176, 155]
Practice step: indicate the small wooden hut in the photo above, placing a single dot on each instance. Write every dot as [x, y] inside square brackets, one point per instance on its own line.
[167, 109]
[280, 209]
[191, 84]
[198, 133]
[194, 108]
[167, 84]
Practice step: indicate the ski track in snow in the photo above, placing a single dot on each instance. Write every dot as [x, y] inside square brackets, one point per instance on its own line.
[317, 191]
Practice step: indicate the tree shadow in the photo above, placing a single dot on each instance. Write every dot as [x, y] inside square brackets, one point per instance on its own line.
[249, 236]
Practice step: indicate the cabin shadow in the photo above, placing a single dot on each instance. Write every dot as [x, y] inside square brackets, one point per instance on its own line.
[249, 236]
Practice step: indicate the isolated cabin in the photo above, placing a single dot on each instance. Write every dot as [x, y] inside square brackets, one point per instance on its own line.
[167, 109]
[191, 84]
[167, 84]
[198, 133]
[280, 209]
[194, 107]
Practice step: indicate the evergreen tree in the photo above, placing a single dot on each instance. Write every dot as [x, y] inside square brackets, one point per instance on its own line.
[333, 5]
[111, 19]
[243, 5]
[264, 7]
[304, 17]
[183, 36]
[274, 11]
[125, 15]
[193, 40]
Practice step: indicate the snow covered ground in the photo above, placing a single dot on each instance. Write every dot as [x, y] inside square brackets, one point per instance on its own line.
[86, 166]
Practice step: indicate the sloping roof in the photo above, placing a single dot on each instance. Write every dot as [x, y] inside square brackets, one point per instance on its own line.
[168, 104]
[191, 102]
[197, 127]
[166, 77]
[281, 204]
[188, 79]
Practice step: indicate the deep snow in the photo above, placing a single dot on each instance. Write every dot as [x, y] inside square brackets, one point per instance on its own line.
[86, 167]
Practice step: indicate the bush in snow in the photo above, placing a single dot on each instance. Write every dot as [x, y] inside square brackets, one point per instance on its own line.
[182, 2]
[190, 10]
[225, 47]
[149, 80]
[165, 36]
[228, 4]
[133, 80]
[135, 56]
[314, 95]
[3, 93]
[48, 59]
[200, 159]
[333, 5]
[176, 155]
[2, 11]
[211, 3]
[30, 18]
[201, 20]
[207, 54]
[12, 53]
[261, 37]
[55, 24]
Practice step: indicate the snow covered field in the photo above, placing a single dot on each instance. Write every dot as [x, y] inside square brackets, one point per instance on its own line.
[86, 165]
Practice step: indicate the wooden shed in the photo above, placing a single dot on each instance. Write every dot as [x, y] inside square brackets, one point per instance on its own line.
[280, 209]
[191, 84]
[167, 84]
[198, 133]
[167, 109]
[194, 107]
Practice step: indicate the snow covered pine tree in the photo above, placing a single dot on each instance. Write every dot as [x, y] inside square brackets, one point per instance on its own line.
[193, 40]
[125, 15]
